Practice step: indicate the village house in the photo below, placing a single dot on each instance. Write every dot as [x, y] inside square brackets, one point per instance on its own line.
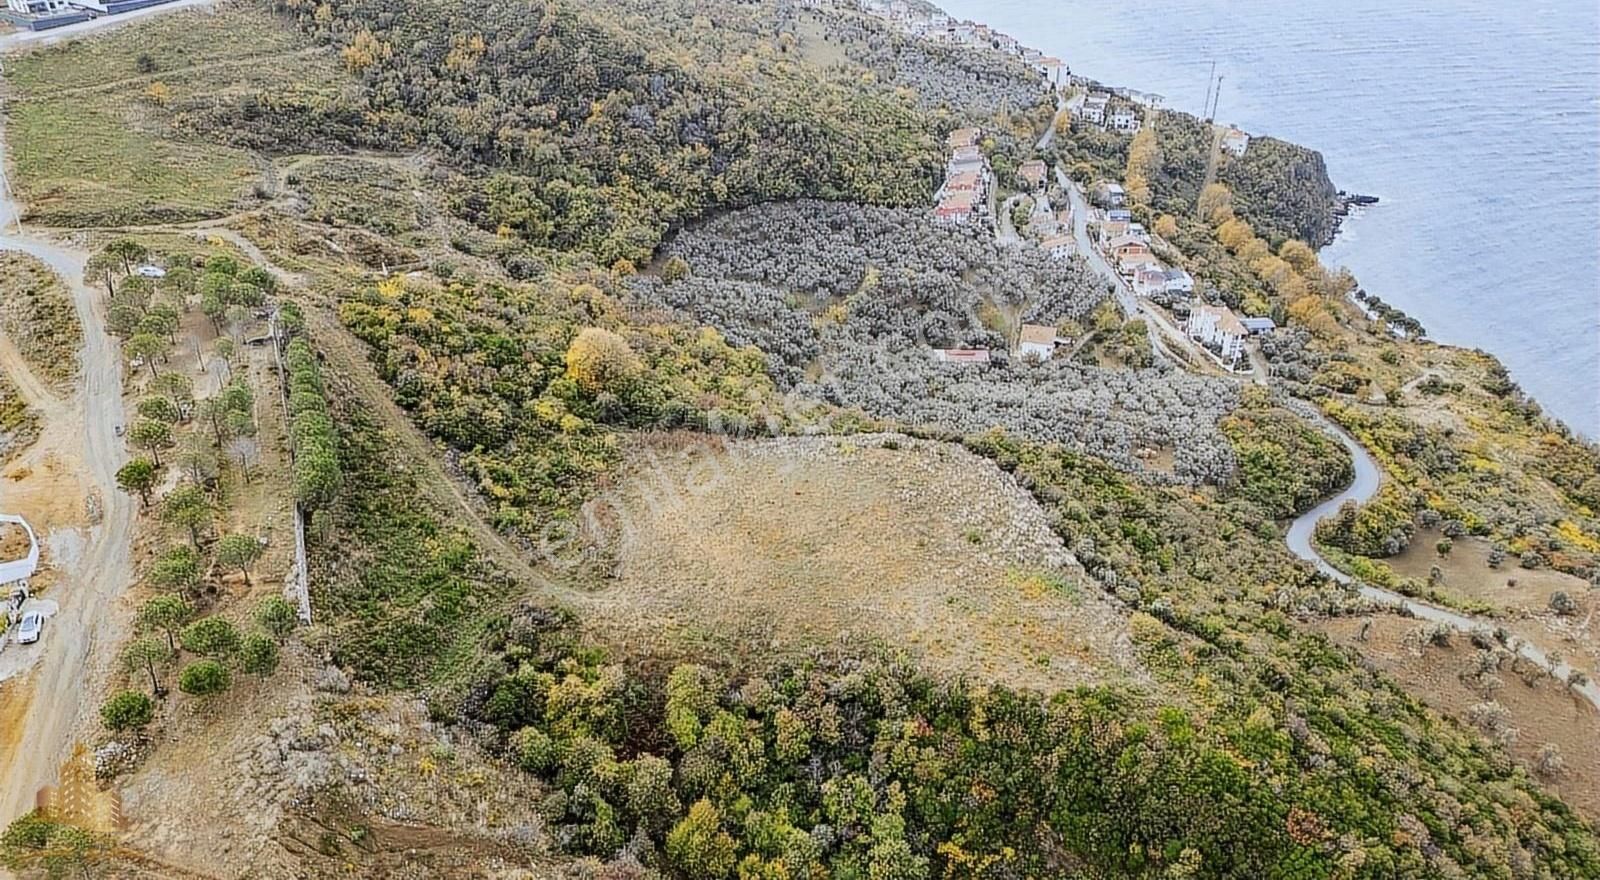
[1058, 247]
[1051, 69]
[1258, 326]
[1036, 342]
[966, 181]
[1112, 195]
[1130, 263]
[1093, 109]
[1127, 245]
[957, 209]
[1179, 281]
[1218, 329]
[1235, 141]
[963, 137]
[1149, 281]
[1110, 229]
[1120, 215]
[1033, 173]
[1125, 119]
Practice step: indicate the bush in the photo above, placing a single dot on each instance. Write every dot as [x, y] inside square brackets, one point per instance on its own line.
[204, 678]
[127, 710]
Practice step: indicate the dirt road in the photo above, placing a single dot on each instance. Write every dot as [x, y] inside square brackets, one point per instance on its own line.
[92, 559]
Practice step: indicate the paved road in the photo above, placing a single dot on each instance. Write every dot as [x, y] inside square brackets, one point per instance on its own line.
[1369, 476]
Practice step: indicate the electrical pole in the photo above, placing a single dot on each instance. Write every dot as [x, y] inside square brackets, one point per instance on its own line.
[1210, 78]
[1215, 97]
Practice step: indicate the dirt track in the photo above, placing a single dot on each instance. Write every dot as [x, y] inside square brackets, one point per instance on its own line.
[77, 455]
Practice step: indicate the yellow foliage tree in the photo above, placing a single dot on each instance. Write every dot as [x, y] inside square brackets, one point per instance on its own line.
[1166, 226]
[1142, 159]
[1235, 234]
[1299, 255]
[599, 359]
[1216, 204]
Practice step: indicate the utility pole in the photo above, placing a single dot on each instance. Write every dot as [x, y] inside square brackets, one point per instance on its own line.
[1210, 78]
[1215, 97]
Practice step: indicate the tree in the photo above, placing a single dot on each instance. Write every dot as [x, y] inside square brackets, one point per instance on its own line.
[225, 350]
[197, 458]
[600, 360]
[1166, 226]
[129, 251]
[177, 388]
[128, 710]
[164, 319]
[210, 637]
[187, 507]
[204, 678]
[152, 437]
[159, 409]
[177, 569]
[214, 307]
[146, 346]
[277, 617]
[143, 654]
[138, 476]
[698, 847]
[239, 551]
[166, 613]
[258, 655]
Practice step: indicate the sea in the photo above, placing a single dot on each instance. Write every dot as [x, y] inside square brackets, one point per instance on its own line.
[1476, 122]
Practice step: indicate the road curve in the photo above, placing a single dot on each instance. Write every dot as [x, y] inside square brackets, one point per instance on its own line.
[1369, 476]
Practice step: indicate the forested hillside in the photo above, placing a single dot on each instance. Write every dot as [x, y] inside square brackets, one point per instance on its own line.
[599, 238]
[572, 135]
[1281, 189]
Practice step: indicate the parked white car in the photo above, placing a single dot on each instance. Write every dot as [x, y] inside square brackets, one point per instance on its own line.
[32, 625]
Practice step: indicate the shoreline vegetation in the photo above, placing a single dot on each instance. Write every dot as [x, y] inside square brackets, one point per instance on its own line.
[555, 262]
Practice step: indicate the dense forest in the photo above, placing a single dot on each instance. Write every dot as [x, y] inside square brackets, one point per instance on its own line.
[572, 136]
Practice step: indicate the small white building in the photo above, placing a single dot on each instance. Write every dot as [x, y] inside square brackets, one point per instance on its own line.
[1178, 281]
[1219, 329]
[967, 356]
[1036, 342]
[1235, 141]
[1059, 247]
[1258, 326]
[1125, 119]
[1093, 109]
[150, 272]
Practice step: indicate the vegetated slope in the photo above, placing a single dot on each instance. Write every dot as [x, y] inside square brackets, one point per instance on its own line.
[573, 136]
[1280, 188]
[38, 317]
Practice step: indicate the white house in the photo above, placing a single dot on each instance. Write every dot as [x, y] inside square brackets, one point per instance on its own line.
[1036, 341]
[1235, 141]
[1125, 119]
[1059, 248]
[150, 272]
[1149, 281]
[1178, 281]
[1093, 109]
[1258, 326]
[1219, 329]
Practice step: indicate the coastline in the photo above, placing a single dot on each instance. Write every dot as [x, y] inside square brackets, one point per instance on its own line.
[1335, 252]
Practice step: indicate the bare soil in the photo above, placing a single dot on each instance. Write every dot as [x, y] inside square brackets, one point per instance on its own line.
[1542, 712]
[1522, 594]
[801, 543]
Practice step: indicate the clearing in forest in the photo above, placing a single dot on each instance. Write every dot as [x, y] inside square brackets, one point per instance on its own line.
[799, 543]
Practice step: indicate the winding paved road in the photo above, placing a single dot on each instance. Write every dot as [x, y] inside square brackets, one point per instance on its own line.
[1369, 476]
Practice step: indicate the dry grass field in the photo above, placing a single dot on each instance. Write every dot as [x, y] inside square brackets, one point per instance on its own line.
[803, 543]
[1540, 711]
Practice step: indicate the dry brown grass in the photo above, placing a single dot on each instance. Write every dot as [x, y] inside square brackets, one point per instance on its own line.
[798, 543]
[1543, 712]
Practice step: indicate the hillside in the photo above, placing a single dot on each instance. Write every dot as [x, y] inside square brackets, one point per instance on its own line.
[590, 348]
